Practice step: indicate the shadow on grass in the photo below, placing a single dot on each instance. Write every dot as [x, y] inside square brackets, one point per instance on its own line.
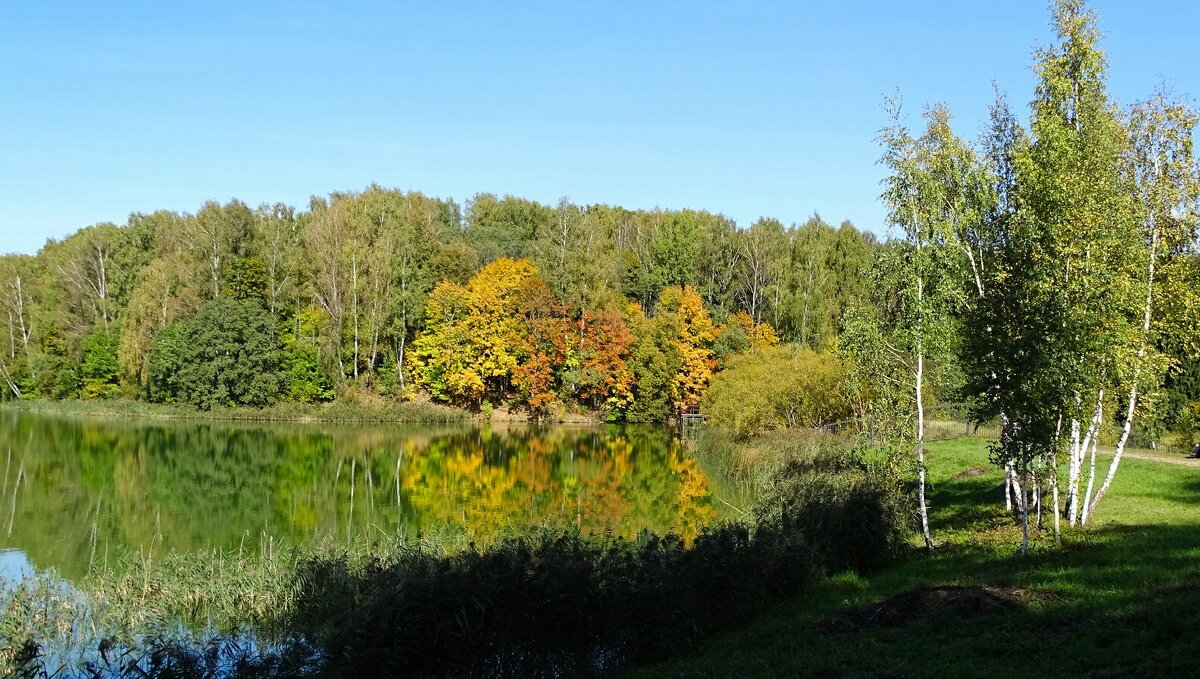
[1191, 488]
[966, 504]
[1121, 600]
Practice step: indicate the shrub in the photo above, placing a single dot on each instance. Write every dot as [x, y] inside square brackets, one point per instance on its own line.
[777, 387]
[100, 369]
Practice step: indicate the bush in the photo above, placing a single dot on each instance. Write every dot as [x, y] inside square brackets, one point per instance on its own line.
[777, 387]
[101, 369]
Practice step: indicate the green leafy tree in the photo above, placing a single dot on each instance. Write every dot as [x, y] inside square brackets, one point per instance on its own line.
[1086, 242]
[505, 227]
[101, 368]
[917, 272]
[304, 378]
[654, 363]
[227, 355]
[167, 358]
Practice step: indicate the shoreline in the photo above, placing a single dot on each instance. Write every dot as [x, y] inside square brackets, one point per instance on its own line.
[408, 412]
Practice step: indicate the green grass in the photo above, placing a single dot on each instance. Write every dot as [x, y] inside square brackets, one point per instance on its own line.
[1121, 597]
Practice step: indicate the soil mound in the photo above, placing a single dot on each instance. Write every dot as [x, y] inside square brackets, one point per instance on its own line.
[973, 471]
[929, 605]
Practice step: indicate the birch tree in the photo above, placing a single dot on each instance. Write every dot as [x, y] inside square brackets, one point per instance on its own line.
[1087, 232]
[326, 235]
[1162, 168]
[15, 305]
[277, 235]
[916, 195]
[1055, 264]
[86, 264]
[762, 246]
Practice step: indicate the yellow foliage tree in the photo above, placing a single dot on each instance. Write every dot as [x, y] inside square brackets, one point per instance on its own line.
[694, 336]
[760, 335]
[472, 338]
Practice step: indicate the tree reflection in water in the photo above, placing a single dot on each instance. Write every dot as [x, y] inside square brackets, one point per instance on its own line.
[79, 490]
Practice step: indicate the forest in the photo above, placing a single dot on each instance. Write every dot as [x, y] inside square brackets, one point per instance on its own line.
[501, 301]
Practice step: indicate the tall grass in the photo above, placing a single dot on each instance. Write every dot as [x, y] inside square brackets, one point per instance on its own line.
[746, 467]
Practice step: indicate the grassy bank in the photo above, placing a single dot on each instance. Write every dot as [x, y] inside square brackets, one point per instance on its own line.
[1121, 597]
[334, 412]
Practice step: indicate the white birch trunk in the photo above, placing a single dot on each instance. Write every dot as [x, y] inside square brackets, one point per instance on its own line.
[400, 354]
[1080, 451]
[920, 383]
[1036, 492]
[1087, 498]
[1073, 459]
[1054, 497]
[1024, 514]
[921, 458]
[1008, 485]
[1133, 389]
[8, 380]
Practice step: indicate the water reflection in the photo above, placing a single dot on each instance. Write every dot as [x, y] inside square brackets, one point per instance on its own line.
[14, 565]
[75, 491]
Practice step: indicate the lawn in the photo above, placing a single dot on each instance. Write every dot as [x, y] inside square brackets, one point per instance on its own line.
[1121, 597]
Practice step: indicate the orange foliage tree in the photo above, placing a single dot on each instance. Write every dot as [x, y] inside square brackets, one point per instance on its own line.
[568, 353]
[546, 343]
[604, 377]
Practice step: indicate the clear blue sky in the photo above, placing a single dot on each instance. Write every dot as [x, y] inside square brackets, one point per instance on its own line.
[743, 108]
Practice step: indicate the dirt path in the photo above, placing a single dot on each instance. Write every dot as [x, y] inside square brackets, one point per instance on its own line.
[1159, 456]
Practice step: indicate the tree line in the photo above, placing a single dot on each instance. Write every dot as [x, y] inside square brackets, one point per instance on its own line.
[394, 293]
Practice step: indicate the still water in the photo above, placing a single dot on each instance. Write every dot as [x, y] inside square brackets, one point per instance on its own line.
[78, 491]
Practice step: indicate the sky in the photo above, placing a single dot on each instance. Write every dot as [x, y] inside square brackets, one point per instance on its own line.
[748, 109]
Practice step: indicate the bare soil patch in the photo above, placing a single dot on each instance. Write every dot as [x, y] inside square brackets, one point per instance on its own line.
[934, 604]
[973, 471]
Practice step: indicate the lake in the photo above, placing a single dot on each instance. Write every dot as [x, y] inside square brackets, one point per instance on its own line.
[79, 491]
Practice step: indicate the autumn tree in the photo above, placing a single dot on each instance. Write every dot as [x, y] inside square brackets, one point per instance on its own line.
[694, 332]
[470, 346]
[547, 341]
